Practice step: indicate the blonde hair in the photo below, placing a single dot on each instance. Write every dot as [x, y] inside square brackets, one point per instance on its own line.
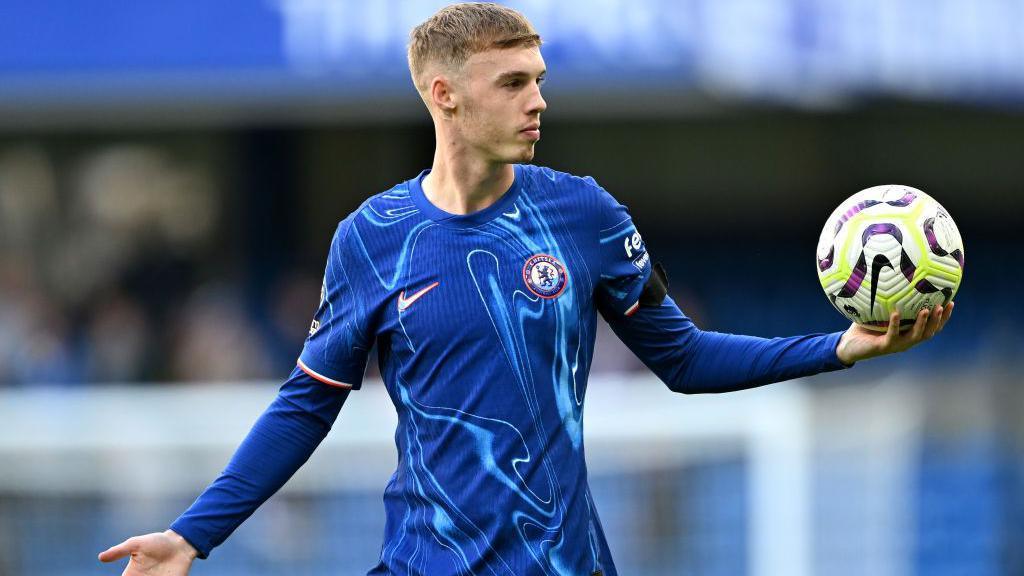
[456, 32]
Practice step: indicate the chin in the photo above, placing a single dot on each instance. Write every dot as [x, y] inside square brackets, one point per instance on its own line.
[526, 155]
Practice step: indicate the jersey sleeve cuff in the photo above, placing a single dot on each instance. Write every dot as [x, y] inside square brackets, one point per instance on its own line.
[832, 361]
[181, 528]
[336, 377]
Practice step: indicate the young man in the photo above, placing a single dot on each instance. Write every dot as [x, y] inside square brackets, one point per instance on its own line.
[480, 281]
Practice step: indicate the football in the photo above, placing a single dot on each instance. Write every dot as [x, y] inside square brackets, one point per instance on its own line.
[889, 248]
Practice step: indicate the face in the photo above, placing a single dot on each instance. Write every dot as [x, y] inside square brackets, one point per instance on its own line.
[499, 103]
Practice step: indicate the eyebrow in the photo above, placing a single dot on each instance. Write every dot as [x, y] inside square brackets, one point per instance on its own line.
[505, 76]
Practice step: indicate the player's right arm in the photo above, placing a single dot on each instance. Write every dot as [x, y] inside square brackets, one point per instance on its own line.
[281, 440]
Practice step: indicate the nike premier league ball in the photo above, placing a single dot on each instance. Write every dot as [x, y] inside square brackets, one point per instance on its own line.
[889, 248]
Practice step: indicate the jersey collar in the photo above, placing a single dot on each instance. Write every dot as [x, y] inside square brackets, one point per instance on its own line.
[503, 204]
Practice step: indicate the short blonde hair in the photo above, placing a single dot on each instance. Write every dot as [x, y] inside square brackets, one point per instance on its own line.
[456, 32]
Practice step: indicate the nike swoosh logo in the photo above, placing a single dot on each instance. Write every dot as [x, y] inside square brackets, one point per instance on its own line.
[404, 302]
[879, 263]
[513, 215]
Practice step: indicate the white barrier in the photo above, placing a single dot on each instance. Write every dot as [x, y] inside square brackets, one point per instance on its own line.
[172, 440]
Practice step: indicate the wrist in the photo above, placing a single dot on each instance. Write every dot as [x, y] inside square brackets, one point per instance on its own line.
[181, 544]
[843, 353]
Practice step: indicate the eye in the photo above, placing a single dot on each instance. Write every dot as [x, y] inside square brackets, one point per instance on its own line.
[541, 80]
[514, 83]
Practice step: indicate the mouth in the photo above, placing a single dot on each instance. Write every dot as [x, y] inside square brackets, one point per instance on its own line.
[532, 132]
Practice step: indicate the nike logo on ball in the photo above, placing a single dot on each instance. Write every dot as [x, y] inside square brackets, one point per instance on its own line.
[404, 302]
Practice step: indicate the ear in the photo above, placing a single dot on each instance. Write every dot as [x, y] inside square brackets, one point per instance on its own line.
[443, 96]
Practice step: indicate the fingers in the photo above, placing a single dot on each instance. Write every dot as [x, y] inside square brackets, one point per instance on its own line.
[917, 332]
[120, 551]
[945, 315]
[893, 330]
[934, 322]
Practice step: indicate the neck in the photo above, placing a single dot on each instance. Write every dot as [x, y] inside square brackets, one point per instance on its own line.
[460, 183]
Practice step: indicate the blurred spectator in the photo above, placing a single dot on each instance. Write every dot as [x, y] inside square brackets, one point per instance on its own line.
[28, 200]
[118, 341]
[215, 340]
[35, 339]
[73, 227]
[293, 302]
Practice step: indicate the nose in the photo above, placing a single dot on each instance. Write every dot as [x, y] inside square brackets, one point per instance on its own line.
[537, 103]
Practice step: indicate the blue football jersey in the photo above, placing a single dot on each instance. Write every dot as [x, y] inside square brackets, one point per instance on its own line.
[485, 327]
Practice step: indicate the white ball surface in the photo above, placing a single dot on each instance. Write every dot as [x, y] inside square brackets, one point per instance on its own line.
[889, 248]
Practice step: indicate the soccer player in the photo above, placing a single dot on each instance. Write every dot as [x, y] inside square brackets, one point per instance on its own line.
[480, 281]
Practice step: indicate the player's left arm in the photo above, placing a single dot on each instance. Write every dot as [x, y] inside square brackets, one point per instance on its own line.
[632, 295]
[694, 361]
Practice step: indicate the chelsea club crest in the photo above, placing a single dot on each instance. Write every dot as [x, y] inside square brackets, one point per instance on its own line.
[544, 276]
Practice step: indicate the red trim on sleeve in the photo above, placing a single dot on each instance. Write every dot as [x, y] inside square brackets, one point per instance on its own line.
[633, 308]
[320, 378]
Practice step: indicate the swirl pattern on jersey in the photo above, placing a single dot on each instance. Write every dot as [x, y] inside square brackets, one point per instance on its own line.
[488, 379]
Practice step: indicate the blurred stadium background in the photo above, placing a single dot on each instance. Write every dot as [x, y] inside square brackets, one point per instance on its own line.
[171, 174]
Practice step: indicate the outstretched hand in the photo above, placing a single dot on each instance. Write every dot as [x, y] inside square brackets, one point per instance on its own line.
[859, 343]
[157, 554]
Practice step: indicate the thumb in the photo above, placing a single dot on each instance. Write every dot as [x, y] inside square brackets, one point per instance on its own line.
[120, 551]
